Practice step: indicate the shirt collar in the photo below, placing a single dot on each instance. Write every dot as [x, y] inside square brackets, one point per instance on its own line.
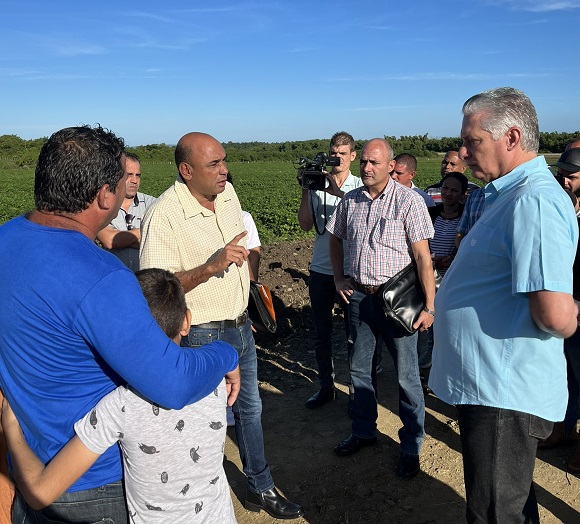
[389, 188]
[494, 188]
[190, 204]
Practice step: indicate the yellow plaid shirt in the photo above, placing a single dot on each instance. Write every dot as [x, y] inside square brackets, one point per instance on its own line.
[178, 234]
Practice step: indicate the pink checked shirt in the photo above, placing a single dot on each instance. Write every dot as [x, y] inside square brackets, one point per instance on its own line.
[378, 233]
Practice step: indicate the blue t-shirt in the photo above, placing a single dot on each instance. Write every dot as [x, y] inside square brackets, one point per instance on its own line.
[488, 350]
[64, 342]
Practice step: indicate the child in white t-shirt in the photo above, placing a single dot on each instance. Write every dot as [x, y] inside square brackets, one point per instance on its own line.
[173, 459]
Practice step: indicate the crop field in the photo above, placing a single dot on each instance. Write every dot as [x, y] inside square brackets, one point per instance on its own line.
[268, 190]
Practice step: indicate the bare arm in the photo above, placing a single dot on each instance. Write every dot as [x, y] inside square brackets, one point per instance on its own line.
[458, 238]
[231, 253]
[554, 312]
[425, 270]
[254, 263]
[343, 285]
[112, 238]
[305, 218]
[39, 484]
[233, 385]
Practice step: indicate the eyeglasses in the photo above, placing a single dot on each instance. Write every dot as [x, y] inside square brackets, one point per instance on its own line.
[129, 221]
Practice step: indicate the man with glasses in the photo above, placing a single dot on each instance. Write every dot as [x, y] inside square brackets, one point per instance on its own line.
[123, 235]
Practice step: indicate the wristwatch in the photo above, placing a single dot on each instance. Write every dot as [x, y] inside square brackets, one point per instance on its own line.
[430, 311]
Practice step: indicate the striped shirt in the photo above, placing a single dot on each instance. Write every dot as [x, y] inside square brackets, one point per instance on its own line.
[379, 232]
[443, 242]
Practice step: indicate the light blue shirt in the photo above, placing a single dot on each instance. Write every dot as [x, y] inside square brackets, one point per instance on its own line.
[321, 252]
[488, 350]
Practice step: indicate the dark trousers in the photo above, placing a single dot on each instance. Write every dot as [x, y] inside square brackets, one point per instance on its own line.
[499, 453]
[572, 352]
[323, 297]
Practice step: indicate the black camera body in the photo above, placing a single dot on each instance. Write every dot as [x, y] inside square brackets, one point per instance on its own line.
[313, 177]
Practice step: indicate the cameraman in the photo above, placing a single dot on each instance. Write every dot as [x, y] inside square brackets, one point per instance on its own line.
[316, 208]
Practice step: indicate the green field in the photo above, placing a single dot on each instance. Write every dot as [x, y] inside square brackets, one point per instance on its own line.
[268, 190]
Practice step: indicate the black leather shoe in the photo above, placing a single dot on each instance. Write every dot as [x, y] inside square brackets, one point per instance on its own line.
[321, 397]
[408, 466]
[273, 503]
[353, 444]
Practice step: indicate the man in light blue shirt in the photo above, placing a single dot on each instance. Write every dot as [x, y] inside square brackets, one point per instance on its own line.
[316, 208]
[503, 309]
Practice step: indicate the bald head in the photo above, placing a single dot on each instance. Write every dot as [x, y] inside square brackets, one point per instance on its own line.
[382, 144]
[189, 145]
[201, 162]
[376, 164]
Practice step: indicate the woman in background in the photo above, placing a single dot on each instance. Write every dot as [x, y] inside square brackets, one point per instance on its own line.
[445, 217]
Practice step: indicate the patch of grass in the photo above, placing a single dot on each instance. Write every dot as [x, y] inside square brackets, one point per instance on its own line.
[268, 190]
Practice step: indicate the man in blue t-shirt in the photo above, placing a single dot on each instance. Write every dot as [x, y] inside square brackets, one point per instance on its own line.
[63, 342]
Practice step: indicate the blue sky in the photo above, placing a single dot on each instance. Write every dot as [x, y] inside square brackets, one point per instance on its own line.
[274, 71]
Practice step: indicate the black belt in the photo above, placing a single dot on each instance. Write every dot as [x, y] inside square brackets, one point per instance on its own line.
[367, 290]
[225, 324]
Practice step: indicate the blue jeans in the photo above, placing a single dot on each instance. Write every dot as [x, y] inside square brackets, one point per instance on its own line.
[105, 505]
[248, 407]
[499, 453]
[323, 296]
[368, 323]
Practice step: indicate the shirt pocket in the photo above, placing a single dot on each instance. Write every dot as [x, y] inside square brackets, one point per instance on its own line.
[389, 232]
[479, 244]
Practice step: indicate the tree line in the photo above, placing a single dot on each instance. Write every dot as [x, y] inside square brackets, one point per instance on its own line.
[16, 152]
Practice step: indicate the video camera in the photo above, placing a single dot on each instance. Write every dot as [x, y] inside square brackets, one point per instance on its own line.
[312, 176]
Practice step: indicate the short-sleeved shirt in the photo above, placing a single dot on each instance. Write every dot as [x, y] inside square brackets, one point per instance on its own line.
[253, 240]
[429, 202]
[179, 234]
[488, 350]
[128, 255]
[324, 206]
[173, 459]
[379, 232]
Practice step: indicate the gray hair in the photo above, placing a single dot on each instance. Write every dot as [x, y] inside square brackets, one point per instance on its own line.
[506, 107]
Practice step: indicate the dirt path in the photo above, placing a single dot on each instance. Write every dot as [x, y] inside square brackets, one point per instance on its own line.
[362, 488]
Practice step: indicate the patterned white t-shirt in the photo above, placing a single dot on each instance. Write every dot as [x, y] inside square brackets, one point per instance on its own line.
[173, 459]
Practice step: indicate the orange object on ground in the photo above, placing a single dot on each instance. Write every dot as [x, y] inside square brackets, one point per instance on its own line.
[6, 485]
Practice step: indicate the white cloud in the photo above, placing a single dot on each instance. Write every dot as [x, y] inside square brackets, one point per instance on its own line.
[538, 6]
[423, 77]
